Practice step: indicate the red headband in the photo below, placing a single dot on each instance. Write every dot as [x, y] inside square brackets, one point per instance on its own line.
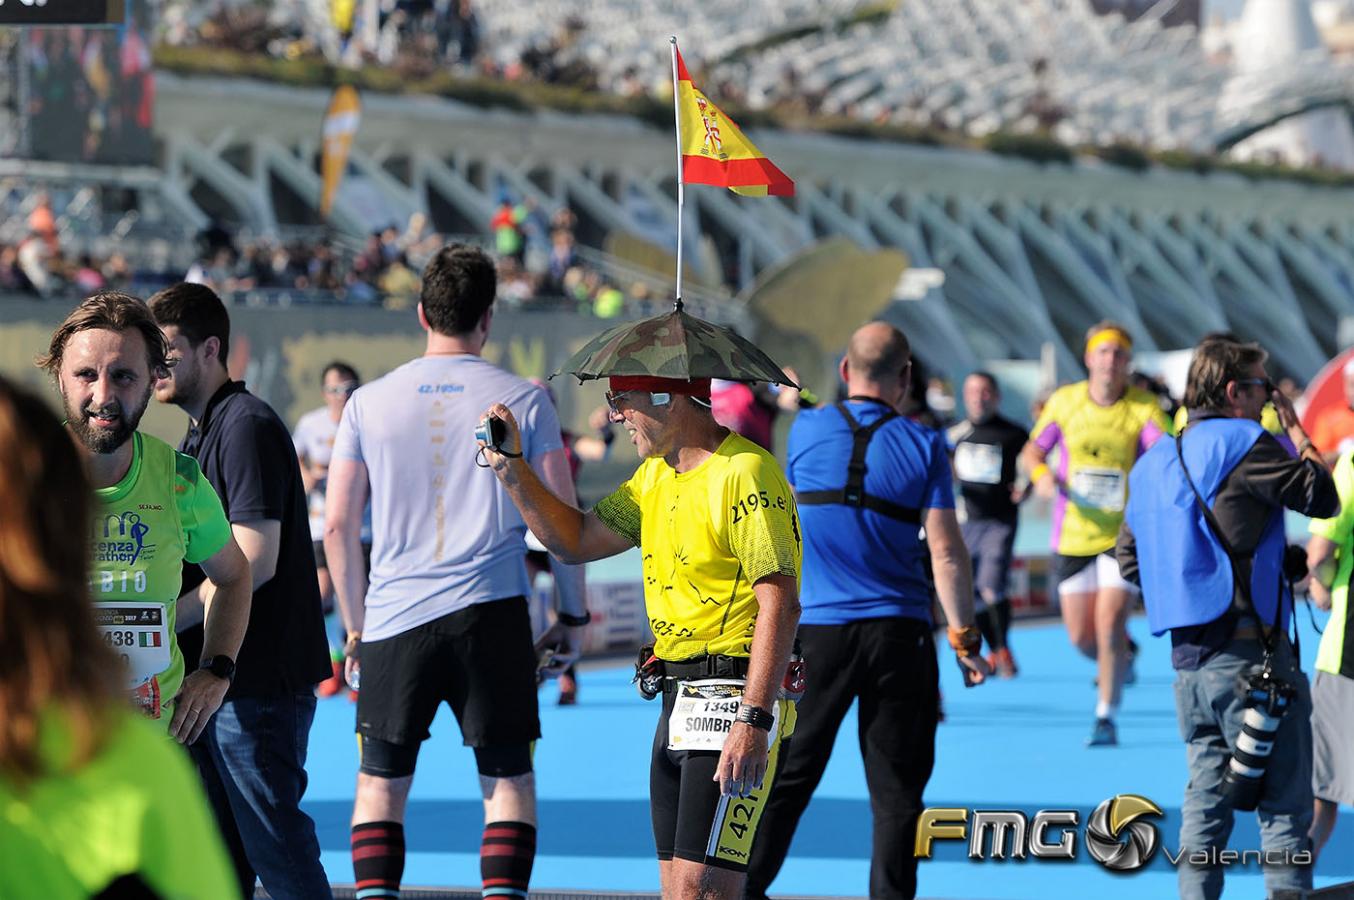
[694, 387]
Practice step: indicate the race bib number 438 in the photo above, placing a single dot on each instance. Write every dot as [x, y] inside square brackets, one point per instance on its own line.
[139, 633]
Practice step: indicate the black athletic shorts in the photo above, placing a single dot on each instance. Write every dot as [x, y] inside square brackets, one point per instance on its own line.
[689, 820]
[1064, 567]
[479, 660]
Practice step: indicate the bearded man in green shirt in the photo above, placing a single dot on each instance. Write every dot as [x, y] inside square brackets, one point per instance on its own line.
[154, 511]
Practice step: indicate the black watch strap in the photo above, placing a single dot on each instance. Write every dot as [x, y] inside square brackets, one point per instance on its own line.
[221, 666]
[573, 621]
[756, 716]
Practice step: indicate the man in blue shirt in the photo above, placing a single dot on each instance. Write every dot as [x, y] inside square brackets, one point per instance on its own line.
[867, 481]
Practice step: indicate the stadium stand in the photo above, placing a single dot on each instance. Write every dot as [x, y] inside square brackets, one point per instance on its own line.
[972, 66]
[1029, 253]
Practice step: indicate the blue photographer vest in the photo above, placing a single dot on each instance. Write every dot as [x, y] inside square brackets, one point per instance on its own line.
[1185, 573]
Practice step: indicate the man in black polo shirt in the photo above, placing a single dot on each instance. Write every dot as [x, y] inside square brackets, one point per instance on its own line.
[252, 755]
[986, 446]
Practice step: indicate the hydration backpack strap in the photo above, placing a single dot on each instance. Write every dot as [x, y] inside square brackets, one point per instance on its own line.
[853, 493]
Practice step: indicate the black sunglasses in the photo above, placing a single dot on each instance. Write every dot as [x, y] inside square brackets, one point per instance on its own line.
[1268, 385]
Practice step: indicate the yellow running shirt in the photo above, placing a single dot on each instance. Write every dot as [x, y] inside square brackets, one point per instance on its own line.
[1096, 445]
[707, 536]
[1269, 420]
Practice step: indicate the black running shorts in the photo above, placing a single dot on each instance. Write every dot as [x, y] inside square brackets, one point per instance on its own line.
[479, 660]
[691, 820]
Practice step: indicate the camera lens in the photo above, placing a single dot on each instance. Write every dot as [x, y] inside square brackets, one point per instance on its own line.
[1267, 700]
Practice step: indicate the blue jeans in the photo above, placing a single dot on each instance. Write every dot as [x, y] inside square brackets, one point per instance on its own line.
[252, 758]
[1210, 720]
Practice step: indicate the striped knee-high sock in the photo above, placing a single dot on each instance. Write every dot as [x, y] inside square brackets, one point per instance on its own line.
[378, 859]
[506, 857]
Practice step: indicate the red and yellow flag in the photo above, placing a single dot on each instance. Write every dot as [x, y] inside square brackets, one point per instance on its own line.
[714, 150]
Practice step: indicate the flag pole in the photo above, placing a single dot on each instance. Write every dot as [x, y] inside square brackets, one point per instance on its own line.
[681, 186]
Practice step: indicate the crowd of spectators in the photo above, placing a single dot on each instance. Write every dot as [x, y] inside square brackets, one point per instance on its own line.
[37, 264]
[540, 266]
[415, 37]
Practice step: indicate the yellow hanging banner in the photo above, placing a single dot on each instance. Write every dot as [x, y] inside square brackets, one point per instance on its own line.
[341, 121]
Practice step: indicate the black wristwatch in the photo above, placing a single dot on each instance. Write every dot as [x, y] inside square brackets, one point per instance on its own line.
[756, 717]
[573, 621]
[220, 666]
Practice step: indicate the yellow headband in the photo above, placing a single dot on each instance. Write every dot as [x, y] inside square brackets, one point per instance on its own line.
[1109, 334]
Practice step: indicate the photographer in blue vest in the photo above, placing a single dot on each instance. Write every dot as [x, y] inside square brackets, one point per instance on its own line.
[1203, 535]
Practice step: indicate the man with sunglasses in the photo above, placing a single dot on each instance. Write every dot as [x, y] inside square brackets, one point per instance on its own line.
[717, 525]
[314, 440]
[1203, 535]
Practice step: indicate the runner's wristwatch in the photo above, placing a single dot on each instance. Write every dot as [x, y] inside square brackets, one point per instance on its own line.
[966, 641]
[220, 666]
[569, 620]
[755, 716]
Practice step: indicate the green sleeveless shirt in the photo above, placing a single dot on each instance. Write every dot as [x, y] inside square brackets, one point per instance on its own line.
[162, 514]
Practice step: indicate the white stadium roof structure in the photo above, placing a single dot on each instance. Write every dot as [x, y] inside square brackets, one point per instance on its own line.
[1031, 254]
[976, 66]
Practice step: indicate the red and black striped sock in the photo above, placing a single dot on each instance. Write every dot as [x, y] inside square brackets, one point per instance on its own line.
[378, 859]
[506, 857]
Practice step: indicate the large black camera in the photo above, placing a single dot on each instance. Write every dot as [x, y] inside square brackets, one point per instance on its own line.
[1267, 700]
[1295, 562]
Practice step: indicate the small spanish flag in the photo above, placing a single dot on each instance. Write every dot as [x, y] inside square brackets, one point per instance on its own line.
[714, 150]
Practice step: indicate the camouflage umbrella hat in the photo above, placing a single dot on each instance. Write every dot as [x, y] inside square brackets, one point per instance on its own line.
[673, 345]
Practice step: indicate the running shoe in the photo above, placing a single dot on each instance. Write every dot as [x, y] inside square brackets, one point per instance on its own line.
[333, 684]
[1003, 663]
[1103, 734]
[568, 690]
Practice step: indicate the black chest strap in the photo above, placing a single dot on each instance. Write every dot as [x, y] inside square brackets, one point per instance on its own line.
[853, 493]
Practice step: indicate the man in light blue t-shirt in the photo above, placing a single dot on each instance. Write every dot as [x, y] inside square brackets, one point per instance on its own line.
[444, 617]
[866, 481]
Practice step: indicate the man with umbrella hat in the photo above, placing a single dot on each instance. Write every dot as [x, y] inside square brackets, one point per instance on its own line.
[719, 532]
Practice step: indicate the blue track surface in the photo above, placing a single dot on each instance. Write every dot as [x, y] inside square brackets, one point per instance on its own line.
[1009, 744]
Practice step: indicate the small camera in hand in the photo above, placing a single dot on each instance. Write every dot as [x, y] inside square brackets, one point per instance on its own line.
[492, 431]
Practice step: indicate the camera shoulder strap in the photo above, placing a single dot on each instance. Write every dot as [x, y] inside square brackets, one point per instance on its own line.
[1269, 635]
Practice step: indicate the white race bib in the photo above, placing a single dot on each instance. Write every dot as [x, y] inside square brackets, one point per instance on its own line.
[705, 711]
[1102, 488]
[139, 633]
[978, 463]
